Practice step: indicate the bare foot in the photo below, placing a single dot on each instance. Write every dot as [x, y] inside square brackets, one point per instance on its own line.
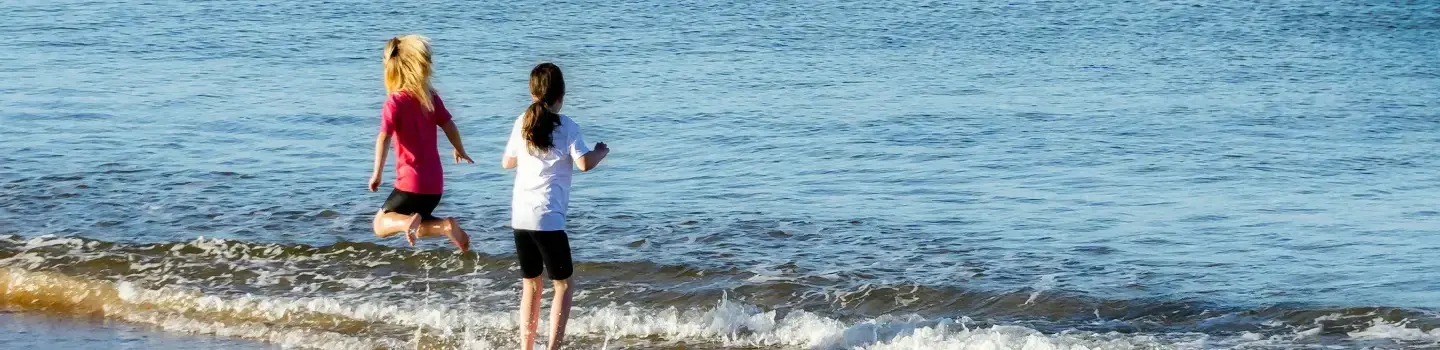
[459, 237]
[412, 229]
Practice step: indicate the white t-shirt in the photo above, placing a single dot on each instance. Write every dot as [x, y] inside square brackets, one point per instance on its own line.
[542, 182]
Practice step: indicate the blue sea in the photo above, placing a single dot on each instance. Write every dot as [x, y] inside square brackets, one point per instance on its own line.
[785, 175]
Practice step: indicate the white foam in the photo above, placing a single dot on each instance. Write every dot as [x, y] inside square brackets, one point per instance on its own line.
[50, 240]
[1330, 317]
[269, 318]
[1044, 284]
[727, 323]
[1380, 329]
[732, 324]
[285, 337]
[1018, 338]
[765, 274]
[289, 322]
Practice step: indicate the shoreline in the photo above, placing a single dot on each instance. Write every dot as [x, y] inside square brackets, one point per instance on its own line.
[21, 330]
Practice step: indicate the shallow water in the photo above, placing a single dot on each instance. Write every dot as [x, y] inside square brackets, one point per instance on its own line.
[813, 174]
[42, 331]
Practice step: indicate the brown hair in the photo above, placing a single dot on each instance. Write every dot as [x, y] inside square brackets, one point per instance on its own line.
[547, 86]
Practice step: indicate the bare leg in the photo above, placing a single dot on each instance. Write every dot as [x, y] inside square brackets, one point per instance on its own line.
[529, 311]
[389, 224]
[559, 312]
[447, 227]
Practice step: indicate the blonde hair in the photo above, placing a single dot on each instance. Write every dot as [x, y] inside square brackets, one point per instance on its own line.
[407, 68]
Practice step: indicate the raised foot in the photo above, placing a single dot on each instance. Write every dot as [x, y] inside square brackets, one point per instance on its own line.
[459, 237]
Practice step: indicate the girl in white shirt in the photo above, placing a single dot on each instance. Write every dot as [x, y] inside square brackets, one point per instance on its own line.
[544, 146]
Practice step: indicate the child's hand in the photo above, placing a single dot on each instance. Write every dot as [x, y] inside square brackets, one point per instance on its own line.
[600, 146]
[374, 183]
[460, 155]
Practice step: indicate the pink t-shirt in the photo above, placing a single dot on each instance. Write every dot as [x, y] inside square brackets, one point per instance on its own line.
[417, 163]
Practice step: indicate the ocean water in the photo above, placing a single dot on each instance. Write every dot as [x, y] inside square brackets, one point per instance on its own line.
[796, 174]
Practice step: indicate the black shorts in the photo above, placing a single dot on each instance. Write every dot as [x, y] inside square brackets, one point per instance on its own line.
[539, 250]
[412, 203]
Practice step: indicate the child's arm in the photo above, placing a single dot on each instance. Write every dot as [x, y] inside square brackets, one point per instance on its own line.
[513, 144]
[453, 133]
[382, 148]
[588, 159]
[592, 159]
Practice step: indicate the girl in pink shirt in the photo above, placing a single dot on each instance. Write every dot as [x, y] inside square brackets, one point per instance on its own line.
[410, 116]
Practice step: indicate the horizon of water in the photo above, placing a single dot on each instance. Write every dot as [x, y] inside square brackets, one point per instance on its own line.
[816, 174]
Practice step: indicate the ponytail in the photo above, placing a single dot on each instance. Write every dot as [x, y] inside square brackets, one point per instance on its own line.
[539, 123]
[547, 87]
